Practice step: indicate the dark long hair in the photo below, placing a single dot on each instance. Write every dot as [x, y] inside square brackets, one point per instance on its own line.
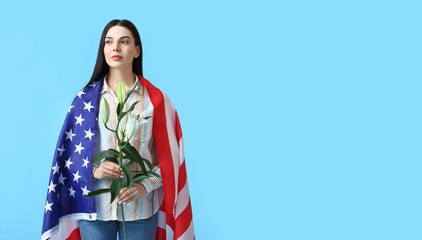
[101, 66]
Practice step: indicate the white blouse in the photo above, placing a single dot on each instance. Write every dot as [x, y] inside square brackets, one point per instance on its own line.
[143, 141]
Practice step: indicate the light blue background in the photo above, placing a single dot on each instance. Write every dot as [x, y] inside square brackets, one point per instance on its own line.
[301, 119]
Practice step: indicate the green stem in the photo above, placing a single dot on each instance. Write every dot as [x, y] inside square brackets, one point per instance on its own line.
[105, 125]
[120, 162]
[117, 134]
[126, 143]
[123, 217]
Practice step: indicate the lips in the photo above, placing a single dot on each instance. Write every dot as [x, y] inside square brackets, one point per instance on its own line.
[116, 57]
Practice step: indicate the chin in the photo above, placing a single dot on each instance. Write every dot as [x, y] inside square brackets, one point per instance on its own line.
[116, 65]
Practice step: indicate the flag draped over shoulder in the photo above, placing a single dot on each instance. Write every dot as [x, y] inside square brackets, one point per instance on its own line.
[71, 174]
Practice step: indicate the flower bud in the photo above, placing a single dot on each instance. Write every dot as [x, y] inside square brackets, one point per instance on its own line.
[105, 110]
[121, 92]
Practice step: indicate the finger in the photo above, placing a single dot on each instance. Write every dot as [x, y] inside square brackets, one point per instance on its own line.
[123, 192]
[129, 197]
[111, 173]
[114, 169]
[108, 173]
[112, 165]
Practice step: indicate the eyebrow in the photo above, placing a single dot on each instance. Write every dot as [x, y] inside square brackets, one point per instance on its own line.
[120, 37]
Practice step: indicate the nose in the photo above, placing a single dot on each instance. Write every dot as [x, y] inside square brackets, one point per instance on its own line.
[116, 48]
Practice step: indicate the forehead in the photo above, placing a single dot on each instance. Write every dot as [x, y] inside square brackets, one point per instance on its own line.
[118, 31]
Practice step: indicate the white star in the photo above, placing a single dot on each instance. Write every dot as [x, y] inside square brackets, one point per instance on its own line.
[62, 178]
[52, 187]
[85, 162]
[79, 148]
[70, 135]
[72, 192]
[56, 169]
[70, 108]
[48, 207]
[93, 84]
[85, 191]
[89, 134]
[61, 150]
[76, 176]
[80, 93]
[88, 106]
[68, 163]
[79, 120]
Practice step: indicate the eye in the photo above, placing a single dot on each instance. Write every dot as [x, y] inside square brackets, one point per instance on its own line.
[125, 42]
[107, 42]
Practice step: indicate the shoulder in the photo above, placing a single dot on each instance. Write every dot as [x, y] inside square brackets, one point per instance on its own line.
[158, 96]
[89, 92]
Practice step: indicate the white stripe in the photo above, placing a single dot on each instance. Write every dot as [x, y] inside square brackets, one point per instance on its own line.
[189, 234]
[182, 200]
[175, 151]
[182, 151]
[66, 225]
[169, 233]
[161, 219]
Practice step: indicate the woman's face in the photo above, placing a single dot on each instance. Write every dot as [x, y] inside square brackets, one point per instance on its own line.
[119, 48]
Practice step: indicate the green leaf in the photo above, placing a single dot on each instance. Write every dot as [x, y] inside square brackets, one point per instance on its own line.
[133, 154]
[96, 192]
[153, 173]
[128, 157]
[133, 106]
[115, 188]
[147, 162]
[128, 175]
[122, 115]
[131, 90]
[139, 178]
[103, 154]
[113, 159]
[119, 109]
[147, 117]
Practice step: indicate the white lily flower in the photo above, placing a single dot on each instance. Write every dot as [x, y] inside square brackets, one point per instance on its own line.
[133, 124]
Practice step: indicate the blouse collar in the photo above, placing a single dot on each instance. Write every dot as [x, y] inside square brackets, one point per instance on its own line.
[106, 88]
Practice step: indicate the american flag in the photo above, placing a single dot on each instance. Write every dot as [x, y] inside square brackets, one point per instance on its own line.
[71, 173]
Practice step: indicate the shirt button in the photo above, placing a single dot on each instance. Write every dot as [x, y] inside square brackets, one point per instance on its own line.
[90, 217]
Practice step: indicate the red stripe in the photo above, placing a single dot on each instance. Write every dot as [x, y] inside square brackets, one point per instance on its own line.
[178, 129]
[75, 235]
[161, 234]
[182, 177]
[183, 221]
[162, 144]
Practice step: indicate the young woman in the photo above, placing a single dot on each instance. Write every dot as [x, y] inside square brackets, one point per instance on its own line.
[155, 208]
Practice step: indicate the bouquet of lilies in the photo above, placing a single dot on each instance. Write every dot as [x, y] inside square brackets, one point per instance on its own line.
[127, 125]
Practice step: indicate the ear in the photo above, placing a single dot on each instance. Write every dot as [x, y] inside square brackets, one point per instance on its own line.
[138, 51]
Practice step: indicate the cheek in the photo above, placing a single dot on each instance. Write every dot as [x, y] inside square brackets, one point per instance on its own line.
[105, 49]
[130, 51]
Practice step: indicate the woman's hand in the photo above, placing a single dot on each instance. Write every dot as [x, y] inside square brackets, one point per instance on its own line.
[108, 169]
[136, 191]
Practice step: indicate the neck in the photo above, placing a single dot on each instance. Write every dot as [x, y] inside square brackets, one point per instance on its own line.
[115, 75]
